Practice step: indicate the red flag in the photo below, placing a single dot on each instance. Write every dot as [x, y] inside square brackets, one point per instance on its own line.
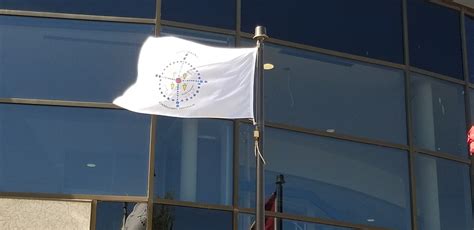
[470, 140]
[270, 205]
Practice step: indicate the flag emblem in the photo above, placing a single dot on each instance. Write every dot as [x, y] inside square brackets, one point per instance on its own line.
[180, 82]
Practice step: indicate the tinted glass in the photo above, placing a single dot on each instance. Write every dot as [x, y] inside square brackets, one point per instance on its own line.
[180, 218]
[73, 150]
[245, 221]
[198, 36]
[443, 194]
[117, 215]
[194, 160]
[215, 13]
[335, 95]
[66, 59]
[470, 46]
[368, 28]
[125, 8]
[330, 179]
[438, 115]
[435, 38]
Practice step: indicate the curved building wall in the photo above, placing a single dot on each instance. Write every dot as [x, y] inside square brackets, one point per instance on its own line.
[367, 108]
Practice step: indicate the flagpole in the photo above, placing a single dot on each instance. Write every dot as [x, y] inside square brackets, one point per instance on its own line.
[260, 36]
[279, 193]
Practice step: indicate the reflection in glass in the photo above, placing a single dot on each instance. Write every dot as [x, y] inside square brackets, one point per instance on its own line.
[121, 216]
[329, 178]
[438, 115]
[435, 38]
[442, 194]
[47, 149]
[331, 94]
[124, 8]
[68, 59]
[194, 160]
[369, 28]
[181, 218]
[245, 221]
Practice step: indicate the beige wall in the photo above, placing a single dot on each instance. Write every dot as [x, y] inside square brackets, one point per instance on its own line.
[23, 214]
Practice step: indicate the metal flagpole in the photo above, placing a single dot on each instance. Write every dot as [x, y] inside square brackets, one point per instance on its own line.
[260, 36]
[279, 194]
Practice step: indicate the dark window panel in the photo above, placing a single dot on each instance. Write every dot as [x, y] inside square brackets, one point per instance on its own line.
[443, 194]
[438, 115]
[194, 160]
[470, 46]
[45, 149]
[68, 59]
[214, 13]
[183, 218]
[123, 8]
[369, 28]
[335, 95]
[435, 38]
[329, 178]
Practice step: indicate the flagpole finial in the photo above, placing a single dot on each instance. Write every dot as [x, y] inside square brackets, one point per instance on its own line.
[260, 33]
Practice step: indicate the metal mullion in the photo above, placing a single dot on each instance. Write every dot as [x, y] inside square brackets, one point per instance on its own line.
[443, 155]
[25, 101]
[68, 197]
[410, 141]
[86, 17]
[235, 170]
[93, 220]
[197, 27]
[308, 219]
[344, 137]
[190, 204]
[238, 22]
[436, 75]
[465, 70]
[153, 125]
[453, 6]
[327, 52]
[151, 171]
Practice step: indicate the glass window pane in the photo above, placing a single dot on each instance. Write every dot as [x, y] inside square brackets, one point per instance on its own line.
[470, 46]
[181, 218]
[331, 94]
[438, 115]
[443, 194]
[124, 8]
[246, 221]
[194, 160]
[206, 38]
[118, 215]
[330, 178]
[435, 38]
[67, 59]
[46, 149]
[215, 13]
[368, 28]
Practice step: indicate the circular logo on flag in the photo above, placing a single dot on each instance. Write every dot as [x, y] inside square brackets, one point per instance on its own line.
[180, 82]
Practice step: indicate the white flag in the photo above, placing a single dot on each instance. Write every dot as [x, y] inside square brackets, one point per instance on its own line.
[180, 78]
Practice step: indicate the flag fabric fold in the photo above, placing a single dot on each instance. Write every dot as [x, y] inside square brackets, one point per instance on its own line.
[180, 78]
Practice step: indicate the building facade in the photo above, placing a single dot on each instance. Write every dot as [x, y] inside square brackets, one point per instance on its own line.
[367, 105]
